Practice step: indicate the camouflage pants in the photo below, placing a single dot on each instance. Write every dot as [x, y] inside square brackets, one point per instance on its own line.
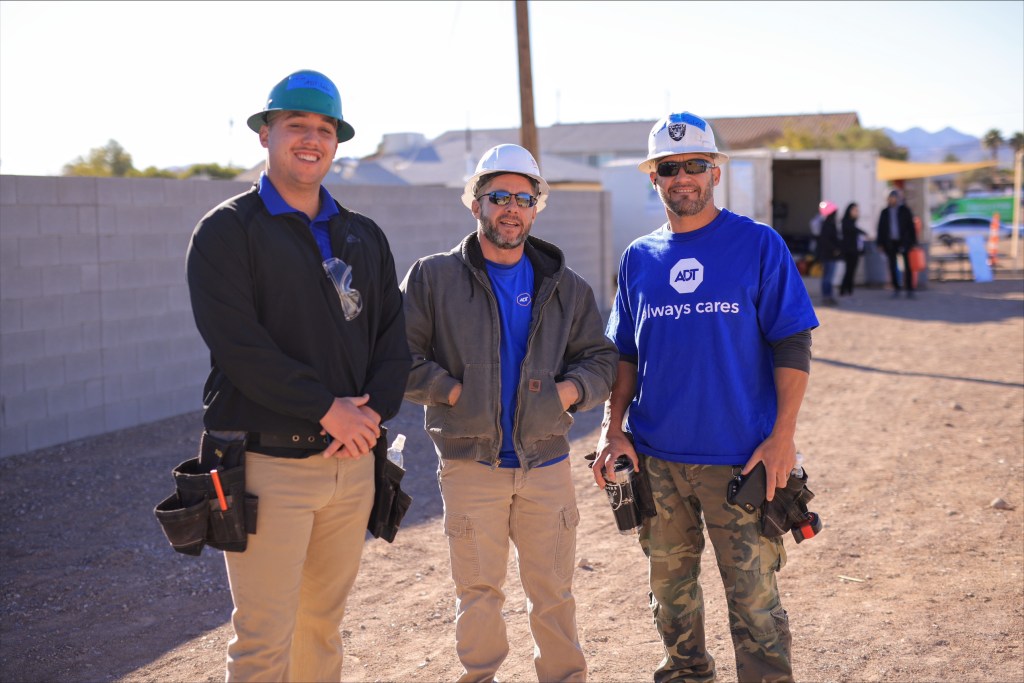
[688, 497]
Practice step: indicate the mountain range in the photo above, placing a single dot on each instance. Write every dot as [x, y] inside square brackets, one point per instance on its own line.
[933, 147]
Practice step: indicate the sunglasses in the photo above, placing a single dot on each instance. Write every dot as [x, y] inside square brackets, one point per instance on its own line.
[503, 197]
[669, 169]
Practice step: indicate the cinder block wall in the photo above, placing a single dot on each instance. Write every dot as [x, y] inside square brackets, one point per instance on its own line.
[96, 331]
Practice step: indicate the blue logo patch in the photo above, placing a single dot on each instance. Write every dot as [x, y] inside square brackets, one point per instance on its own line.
[524, 299]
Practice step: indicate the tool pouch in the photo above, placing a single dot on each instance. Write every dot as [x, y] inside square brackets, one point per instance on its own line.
[642, 494]
[185, 527]
[192, 515]
[390, 502]
[788, 508]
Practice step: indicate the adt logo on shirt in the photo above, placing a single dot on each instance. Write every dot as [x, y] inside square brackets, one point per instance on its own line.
[686, 275]
[524, 299]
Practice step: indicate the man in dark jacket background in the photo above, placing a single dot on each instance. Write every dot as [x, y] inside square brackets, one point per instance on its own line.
[506, 342]
[298, 301]
[896, 235]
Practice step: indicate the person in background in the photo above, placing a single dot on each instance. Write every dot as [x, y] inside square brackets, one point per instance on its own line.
[713, 326]
[297, 299]
[829, 250]
[896, 236]
[852, 245]
[506, 343]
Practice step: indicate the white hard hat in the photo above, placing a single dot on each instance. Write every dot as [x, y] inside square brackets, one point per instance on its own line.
[682, 133]
[506, 159]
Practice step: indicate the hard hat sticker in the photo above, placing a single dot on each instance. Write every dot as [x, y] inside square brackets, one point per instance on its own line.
[311, 82]
[687, 117]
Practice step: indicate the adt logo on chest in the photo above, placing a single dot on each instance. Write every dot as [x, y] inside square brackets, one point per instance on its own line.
[686, 275]
[524, 299]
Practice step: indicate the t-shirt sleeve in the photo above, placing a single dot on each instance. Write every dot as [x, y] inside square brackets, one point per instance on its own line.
[621, 322]
[784, 307]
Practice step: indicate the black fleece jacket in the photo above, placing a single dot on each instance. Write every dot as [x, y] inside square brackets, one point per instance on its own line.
[281, 349]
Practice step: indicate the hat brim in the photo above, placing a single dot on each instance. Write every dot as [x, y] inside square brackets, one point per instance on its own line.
[345, 131]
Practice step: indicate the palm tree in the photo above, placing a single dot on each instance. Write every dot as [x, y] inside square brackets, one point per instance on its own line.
[992, 141]
[1016, 142]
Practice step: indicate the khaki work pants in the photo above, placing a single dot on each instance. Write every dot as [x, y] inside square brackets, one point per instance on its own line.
[291, 583]
[484, 507]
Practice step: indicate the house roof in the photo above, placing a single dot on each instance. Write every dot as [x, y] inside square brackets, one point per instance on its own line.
[629, 138]
[451, 158]
[745, 132]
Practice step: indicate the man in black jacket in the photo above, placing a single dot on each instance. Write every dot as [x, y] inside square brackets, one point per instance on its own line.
[297, 299]
[896, 235]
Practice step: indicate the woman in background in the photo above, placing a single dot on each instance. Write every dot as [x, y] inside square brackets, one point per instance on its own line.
[852, 246]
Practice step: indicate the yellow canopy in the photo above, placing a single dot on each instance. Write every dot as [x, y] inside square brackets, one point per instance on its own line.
[890, 169]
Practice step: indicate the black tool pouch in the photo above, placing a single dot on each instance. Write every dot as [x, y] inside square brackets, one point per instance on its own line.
[193, 516]
[390, 502]
[788, 508]
[642, 494]
[185, 527]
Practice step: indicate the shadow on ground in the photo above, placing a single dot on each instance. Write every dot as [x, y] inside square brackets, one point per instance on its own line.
[86, 568]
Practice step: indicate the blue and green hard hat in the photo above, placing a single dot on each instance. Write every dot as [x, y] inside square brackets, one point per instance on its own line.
[308, 91]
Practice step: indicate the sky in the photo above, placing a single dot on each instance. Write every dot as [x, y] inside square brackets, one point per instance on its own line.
[173, 82]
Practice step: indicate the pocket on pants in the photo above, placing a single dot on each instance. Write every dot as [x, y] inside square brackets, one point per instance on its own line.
[772, 552]
[462, 549]
[565, 542]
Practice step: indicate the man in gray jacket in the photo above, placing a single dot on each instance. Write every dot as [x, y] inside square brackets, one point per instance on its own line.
[506, 342]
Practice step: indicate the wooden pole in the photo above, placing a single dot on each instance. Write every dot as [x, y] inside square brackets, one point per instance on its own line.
[528, 127]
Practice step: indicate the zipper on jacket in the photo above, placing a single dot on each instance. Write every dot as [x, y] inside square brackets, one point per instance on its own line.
[496, 460]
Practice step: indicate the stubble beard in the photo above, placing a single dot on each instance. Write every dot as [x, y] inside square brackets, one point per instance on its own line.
[493, 234]
[687, 207]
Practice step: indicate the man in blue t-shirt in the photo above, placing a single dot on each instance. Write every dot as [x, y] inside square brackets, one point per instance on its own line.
[506, 342]
[712, 323]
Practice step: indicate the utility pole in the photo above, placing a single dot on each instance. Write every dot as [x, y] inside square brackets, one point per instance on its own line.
[528, 126]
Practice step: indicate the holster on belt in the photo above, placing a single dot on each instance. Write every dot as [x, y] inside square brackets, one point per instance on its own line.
[197, 514]
[390, 502]
[788, 508]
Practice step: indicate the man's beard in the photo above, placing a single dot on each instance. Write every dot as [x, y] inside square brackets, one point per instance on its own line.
[687, 207]
[493, 234]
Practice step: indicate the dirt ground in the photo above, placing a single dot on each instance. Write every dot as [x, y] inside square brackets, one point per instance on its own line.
[913, 424]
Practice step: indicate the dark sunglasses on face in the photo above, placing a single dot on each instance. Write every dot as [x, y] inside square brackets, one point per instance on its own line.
[502, 198]
[669, 169]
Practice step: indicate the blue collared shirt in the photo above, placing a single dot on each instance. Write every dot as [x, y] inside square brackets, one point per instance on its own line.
[276, 205]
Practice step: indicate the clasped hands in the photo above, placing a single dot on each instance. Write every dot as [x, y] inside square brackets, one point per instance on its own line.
[354, 427]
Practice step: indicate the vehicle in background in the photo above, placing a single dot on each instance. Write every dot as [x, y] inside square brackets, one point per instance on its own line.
[977, 205]
[961, 226]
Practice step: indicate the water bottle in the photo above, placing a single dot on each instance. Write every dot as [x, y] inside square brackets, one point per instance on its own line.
[395, 452]
[798, 470]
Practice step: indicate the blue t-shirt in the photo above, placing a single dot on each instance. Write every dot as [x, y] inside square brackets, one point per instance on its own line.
[276, 205]
[698, 311]
[513, 289]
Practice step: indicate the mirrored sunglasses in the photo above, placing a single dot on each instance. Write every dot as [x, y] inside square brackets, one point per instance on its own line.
[502, 197]
[669, 169]
[340, 275]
